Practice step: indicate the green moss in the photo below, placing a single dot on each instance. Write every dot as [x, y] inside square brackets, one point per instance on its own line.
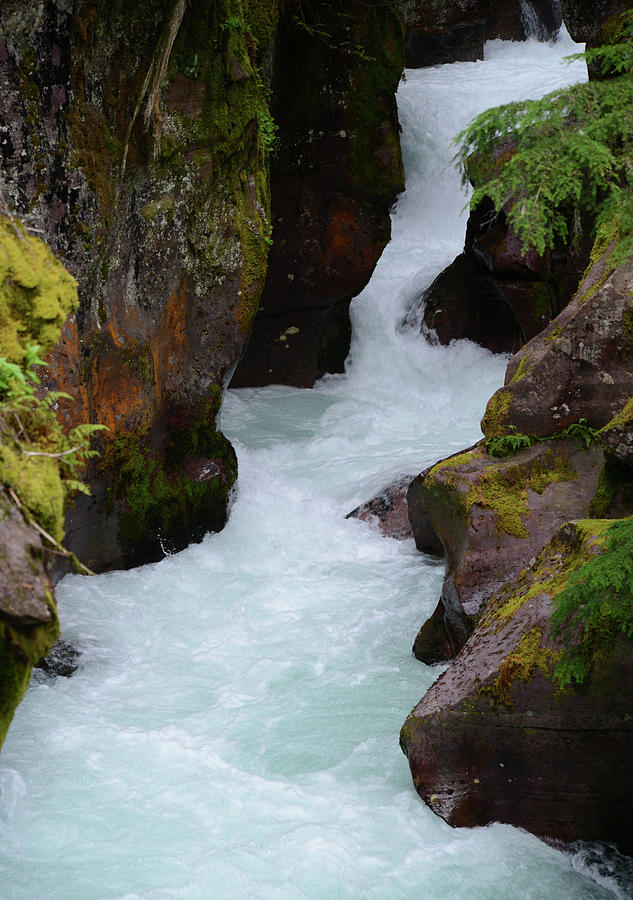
[527, 660]
[36, 293]
[595, 606]
[160, 506]
[523, 368]
[495, 420]
[550, 572]
[502, 488]
[452, 462]
[20, 649]
[606, 490]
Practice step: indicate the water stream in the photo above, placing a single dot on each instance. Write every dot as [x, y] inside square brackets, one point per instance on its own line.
[232, 731]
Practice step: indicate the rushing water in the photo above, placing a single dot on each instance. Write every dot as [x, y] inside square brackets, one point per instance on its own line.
[233, 729]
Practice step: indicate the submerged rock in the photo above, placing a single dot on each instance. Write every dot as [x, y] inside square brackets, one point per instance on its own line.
[499, 738]
[389, 509]
[62, 660]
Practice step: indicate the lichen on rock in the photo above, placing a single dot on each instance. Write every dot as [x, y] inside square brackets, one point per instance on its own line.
[501, 736]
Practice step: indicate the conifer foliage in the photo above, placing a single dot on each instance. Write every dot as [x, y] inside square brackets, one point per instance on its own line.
[570, 155]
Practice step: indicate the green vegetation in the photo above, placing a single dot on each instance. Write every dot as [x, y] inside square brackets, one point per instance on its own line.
[513, 441]
[39, 461]
[596, 605]
[568, 155]
[502, 489]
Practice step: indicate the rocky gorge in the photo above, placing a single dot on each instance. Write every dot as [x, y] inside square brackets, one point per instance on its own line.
[217, 225]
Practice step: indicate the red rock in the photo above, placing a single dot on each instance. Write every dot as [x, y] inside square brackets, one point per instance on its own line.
[495, 739]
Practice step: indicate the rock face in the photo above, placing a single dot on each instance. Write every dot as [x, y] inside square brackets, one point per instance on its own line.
[335, 174]
[493, 515]
[578, 367]
[36, 296]
[494, 293]
[586, 19]
[497, 739]
[136, 140]
[442, 32]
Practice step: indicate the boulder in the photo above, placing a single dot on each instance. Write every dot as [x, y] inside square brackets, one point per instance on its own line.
[586, 19]
[495, 293]
[389, 509]
[505, 736]
[464, 302]
[493, 515]
[578, 368]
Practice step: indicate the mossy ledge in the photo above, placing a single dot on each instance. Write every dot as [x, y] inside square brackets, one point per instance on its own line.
[36, 296]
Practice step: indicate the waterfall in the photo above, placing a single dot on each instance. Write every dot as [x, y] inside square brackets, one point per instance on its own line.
[533, 24]
[232, 731]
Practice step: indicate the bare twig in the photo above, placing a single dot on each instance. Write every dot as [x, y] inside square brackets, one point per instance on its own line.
[43, 533]
[53, 455]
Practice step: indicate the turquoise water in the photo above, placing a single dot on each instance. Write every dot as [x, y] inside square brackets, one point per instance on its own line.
[232, 731]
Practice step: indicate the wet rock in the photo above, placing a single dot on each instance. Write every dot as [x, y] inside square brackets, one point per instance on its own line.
[28, 618]
[497, 739]
[433, 642]
[494, 293]
[425, 535]
[62, 660]
[389, 509]
[578, 367]
[493, 515]
[336, 172]
[464, 302]
[585, 19]
[134, 143]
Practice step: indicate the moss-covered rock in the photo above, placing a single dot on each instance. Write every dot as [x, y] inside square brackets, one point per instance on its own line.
[138, 141]
[503, 736]
[36, 296]
[493, 515]
[579, 367]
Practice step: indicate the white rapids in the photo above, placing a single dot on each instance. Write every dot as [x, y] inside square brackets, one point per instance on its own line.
[232, 731]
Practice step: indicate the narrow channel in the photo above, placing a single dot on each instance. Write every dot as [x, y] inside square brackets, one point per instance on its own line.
[232, 731]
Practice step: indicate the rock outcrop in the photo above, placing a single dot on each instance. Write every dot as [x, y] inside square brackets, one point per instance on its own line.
[492, 516]
[135, 137]
[336, 172]
[36, 296]
[578, 368]
[501, 736]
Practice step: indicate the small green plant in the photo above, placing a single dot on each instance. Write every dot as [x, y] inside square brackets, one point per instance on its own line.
[514, 441]
[507, 444]
[232, 23]
[582, 433]
[29, 426]
[596, 606]
[268, 129]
